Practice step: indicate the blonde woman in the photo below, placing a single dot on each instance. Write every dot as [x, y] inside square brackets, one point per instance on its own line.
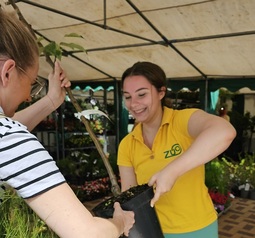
[24, 163]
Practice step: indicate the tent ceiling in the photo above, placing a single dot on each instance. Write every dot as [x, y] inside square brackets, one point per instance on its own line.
[189, 39]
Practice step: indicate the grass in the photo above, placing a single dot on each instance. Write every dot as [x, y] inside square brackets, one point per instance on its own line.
[18, 220]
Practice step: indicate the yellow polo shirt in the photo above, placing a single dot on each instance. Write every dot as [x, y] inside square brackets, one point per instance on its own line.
[187, 207]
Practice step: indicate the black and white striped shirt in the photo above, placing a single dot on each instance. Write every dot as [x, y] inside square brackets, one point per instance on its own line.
[24, 163]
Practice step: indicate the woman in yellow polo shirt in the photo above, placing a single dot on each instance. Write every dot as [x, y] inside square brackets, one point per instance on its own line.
[168, 149]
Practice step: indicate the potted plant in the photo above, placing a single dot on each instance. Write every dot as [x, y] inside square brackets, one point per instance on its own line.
[135, 199]
[91, 190]
[242, 174]
[217, 179]
[86, 174]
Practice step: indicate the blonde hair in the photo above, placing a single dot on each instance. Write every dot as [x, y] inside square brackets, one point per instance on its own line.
[16, 41]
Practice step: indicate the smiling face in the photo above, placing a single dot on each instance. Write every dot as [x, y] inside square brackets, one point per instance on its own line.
[142, 99]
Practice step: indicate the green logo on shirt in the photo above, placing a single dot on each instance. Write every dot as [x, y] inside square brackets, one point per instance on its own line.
[175, 150]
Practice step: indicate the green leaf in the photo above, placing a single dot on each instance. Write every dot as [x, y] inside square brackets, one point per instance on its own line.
[50, 49]
[74, 35]
[39, 39]
[73, 46]
[53, 49]
[58, 55]
[41, 50]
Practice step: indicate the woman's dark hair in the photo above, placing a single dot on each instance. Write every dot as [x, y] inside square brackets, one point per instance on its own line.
[152, 72]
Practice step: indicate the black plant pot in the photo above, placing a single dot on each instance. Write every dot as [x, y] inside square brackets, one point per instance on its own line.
[236, 191]
[135, 199]
[244, 193]
[252, 194]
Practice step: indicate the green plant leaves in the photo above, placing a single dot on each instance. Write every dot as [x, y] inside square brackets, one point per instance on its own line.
[73, 46]
[53, 49]
[19, 220]
[74, 35]
[56, 49]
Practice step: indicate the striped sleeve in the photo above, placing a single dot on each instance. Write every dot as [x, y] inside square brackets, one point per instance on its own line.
[24, 163]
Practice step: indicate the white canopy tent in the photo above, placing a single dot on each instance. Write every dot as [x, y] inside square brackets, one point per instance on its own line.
[189, 39]
[204, 44]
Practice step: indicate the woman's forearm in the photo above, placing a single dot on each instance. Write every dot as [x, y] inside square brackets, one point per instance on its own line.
[34, 114]
[68, 217]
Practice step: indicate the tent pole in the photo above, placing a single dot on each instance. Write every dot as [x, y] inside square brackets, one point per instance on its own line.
[117, 114]
[206, 94]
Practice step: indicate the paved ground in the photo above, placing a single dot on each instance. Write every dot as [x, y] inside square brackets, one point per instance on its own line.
[239, 221]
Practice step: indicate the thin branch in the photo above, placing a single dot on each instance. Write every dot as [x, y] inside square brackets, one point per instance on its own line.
[115, 187]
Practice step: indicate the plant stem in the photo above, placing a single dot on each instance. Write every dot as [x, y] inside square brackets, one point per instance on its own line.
[115, 187]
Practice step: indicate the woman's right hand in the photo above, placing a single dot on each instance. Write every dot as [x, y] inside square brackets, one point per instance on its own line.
[58, 81]
[126, 218]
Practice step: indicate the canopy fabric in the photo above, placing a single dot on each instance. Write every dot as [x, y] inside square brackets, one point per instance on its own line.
[192, 40]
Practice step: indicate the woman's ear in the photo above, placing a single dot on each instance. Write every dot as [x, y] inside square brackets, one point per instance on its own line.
[162, 92]
[7, 68]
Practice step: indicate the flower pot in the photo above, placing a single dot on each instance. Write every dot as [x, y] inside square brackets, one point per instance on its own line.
[252, 194]
[135, 199]
[236, 191]
[245, 193]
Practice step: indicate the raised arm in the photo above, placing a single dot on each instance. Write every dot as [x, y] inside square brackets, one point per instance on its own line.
[212, 136]
[34, 114]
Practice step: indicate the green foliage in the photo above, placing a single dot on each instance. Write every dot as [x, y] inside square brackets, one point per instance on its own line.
[56, 49]
[78, 140]
[73, 46]
[53, 49]
[73, 35]
[19, 220]
[217, 176]
[241, 171]
[78, 166]
[225, 95]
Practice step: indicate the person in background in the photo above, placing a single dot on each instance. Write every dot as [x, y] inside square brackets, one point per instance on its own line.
[223, 113]
[168, 149]
[25, 165]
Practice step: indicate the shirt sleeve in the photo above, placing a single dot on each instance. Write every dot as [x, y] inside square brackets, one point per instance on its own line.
[181, 120]
[25, 165]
